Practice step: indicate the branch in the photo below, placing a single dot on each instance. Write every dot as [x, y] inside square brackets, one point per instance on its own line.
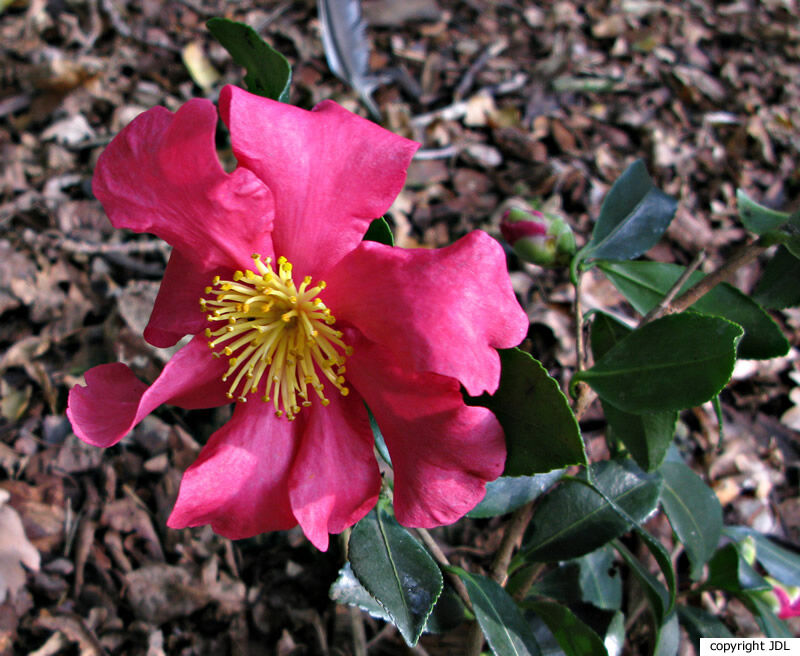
[439, 557]
[743, 256]
[661, 309]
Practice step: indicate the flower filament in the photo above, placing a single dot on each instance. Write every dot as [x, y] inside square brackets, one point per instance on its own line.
[275, 331]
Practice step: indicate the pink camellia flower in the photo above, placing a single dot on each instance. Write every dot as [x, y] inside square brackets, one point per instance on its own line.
[302, 323]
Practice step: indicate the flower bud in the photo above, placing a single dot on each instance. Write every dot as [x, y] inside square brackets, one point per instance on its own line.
[783, 600]
[538, 238]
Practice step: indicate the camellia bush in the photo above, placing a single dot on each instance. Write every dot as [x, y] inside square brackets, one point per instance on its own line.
[380, 392]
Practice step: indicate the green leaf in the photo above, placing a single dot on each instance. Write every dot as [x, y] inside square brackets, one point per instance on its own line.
[592, 579]
[770, 624]
[757, 218]
[701, 624]
[648, 436]
[778, 286]
[380, 231]
[693, 511]
[541, 431]
[606, 332]
[729, 571]
[657, 595]
[780, 563]
[644, 284]
[573, 520]
[669, 364]
[508, 493]
[347, 589]
[448, 612]
[668, 639]
[268, 72]
[574, 637]
[501, 621]
[792, 234]
[600, 582]
[632, 219]
[657, 550]
[396, 570]
[561, 583]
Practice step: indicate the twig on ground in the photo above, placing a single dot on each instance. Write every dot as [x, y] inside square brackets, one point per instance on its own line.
[357, 629]
[458, 109]
[469, 77]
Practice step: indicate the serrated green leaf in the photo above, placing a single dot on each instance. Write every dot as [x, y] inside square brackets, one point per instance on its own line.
[701, 624]
[501, 621]
[644, 284]
[541, 431]
[634, 215]
[573, 520]
[778, 286]
[606, 332]
[448, 612]
[757, 218]
[648, 436]
[693, 511]
[508, 493]
[728, 570]
[268, 72]
[347, 589]
[780, 563]
[669, 364]
[396, 570]
[380, 231]
[573, 636]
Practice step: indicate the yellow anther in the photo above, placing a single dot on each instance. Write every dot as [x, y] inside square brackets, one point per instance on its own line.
[280, 347]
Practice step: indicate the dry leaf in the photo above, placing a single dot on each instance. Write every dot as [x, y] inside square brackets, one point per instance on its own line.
[198, 65]
[15, 550]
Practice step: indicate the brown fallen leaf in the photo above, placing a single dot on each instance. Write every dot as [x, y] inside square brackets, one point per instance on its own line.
[15, 550]
[159, 593]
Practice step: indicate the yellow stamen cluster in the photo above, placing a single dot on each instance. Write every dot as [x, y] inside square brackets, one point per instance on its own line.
[274, 331]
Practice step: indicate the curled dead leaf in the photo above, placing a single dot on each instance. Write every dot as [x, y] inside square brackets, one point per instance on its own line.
[15, 550]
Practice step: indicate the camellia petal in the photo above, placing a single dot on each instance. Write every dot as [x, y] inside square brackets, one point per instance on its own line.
[239, 483]
[161, 175]
[114, 400]
[444, 311]
[331, 172]
[176, 312]
[335, 479]
[443, 451]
